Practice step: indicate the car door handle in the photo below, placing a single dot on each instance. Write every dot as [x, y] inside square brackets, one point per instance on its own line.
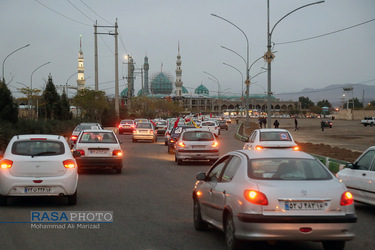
[363, 174]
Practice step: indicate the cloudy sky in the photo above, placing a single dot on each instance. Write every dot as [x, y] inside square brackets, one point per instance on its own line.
[154, 28]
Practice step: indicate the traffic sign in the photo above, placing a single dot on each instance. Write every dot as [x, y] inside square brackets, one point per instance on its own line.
[269, 56]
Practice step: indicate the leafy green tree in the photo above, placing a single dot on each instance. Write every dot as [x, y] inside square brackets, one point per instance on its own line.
[50, 107]
[65, 108]
[324, 103]
[306, 103]
[316, 109]
[8, 109]
[91, 103]
[357, 103]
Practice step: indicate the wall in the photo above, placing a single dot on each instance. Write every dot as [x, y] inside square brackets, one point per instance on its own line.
[353, 114]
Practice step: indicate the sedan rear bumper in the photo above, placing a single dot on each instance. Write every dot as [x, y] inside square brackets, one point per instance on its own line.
[197, 155]
[99, 162]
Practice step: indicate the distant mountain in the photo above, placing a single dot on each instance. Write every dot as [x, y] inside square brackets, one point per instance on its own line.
[333, 93]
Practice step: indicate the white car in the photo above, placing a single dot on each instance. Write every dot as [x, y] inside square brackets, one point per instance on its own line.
[271, 195]
[38, 165]
[144, 131]
[79, 128]
[99, 149]
[196, 144]
[270, 138]
[213, 126]
[359, 177]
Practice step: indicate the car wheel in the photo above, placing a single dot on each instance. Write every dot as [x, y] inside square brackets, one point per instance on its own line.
[179, 162]
[175, 158]
[3, 200]
[371, 124]
[229, 231]
[134, 140]
[72, 199]
[118, 170]
[333, 245]
[166, 143]
[156, 139]
[199, 224]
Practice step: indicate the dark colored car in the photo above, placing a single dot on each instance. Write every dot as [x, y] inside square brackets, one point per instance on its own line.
[328, 123]
[223, 125]
[175, 134]
[161, 127]
[126, 126]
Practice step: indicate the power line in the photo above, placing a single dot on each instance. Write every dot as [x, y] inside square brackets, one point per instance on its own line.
[326, 34]
[81, 11]
[96, 13]
[62, 14]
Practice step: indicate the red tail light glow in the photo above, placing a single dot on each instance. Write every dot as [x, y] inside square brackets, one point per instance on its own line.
[256, 197]
[81, 151]
[119, 125]
[181, 144]
[295, 148]
[4, 164]
[38, 139]
[69, 163]
[74, 137]
[215, 144]
[117, 152]
[346, 199]
[258, 147]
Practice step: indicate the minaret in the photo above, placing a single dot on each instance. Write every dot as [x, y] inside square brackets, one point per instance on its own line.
[146, 67]
[178, 82]
[81, 69]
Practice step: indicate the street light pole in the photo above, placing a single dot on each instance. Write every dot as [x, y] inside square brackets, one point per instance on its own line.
[66, 84]
[27, 45]
[218, 89]
[269, 56]
[241, 83]
[247, 82]
[31, 81]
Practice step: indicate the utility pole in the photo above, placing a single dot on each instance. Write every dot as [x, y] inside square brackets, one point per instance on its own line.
[117, 107]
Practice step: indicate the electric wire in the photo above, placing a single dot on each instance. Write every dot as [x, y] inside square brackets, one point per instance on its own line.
[326, 34]
[81, 11]
[95, 12]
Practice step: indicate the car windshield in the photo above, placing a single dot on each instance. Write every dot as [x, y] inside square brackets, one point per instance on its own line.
[208, 124]
[144, 125]
[287, 169]
[86, 127]
[98, 137]
[38, 148]
[198, 136]
[275, 136]
[163, 123]
[126, 122]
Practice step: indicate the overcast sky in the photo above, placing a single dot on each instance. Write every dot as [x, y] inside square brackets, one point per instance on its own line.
[53, 29]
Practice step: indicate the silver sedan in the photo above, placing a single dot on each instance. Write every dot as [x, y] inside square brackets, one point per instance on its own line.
[273, 194]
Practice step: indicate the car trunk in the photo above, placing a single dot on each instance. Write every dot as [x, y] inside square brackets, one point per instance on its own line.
[38, 166]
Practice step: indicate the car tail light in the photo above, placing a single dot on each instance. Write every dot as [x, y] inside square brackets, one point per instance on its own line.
[295, 148]
[256, 197]
[119, 125]
[258, 147]
[81, 151]
[173, 140]
[117, 152]
[132, 126]
[346, 199]
[74, 137]
[305, 229]
[215, 144]
[151, 131]
[4, 164]
[38, 139]
[181, 144]
[37, 181]
[69, 163]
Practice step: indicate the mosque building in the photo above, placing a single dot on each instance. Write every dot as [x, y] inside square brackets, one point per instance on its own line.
[81, 68]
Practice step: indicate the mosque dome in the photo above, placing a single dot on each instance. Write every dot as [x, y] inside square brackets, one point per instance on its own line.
[161, 85]
[184, 90]
[202, 90]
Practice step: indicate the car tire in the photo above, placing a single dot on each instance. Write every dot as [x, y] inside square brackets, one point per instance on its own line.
[3, 200]
[175, 158]
[199, 224]
[229, 231]
[166, 143]
[333, 245]
[119, 170]
[134, 140]
[179, 162]
[72, 199]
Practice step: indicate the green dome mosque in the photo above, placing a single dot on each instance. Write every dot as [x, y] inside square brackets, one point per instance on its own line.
[202, 90]
[161, 85]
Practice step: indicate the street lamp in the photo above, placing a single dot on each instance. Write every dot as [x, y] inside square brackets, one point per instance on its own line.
[31, 81]
[27, 45]
[218, 88]
[247, 82]
[269, 55]
[241, 82]
[66, 84]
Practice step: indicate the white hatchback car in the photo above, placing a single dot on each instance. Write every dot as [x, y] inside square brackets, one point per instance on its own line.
[213, 126]
[359, 177]
[270, 138]
[38, 165]
[274, 194]
[196, 144]
[99, 149]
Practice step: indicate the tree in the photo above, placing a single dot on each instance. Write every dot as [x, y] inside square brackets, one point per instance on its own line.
[8, 109]
[50, 107]
[65, 108]
[91, 103]
[357, 103]
[306, 103]
[324, 103]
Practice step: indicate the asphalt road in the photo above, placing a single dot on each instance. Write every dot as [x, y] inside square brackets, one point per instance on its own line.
[152, 208]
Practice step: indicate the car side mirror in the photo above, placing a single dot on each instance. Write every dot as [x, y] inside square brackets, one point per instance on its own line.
[76, 154]
[351, 165]
[201, 176]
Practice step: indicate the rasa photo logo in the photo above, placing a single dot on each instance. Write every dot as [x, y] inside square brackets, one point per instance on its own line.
[69, 219]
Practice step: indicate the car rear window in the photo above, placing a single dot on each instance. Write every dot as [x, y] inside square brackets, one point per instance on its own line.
[275, 136]
[288, 169]
[87, 127]
[208, 124]
[126, 122]
[144, 125]
[98, 137]
[38, 148]
[198, 136]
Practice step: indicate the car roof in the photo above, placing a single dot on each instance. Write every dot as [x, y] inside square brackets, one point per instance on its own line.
[47, 136]
[196, 130]
[275, 153]
[98, 130]
[262, 130]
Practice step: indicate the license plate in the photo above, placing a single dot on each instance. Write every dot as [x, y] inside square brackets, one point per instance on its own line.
[198, 146]
[126, 126]
[37, 189]
[98, 152]
[302, 205]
